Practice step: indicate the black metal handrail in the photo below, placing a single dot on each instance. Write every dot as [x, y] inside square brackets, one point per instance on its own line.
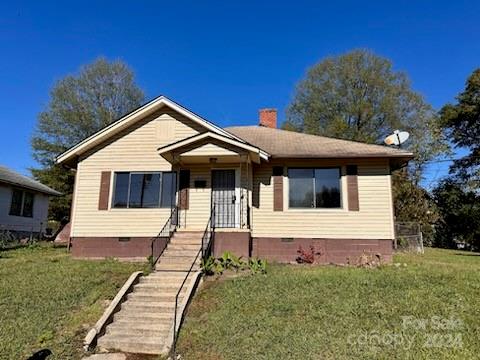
[208, 234]
[207, 240]
[166, 232]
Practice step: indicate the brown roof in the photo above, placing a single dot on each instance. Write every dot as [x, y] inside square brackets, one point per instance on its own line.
[281, 143]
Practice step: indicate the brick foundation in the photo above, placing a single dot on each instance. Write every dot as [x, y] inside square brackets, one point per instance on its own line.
[98, 247]
[336, 251]
[237, 243]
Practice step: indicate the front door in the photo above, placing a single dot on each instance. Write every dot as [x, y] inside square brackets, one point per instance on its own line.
[224, 198]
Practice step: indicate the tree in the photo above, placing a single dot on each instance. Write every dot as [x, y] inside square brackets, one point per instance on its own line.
[462, 124]
[459, 210]
[79, 106]
[358, 96]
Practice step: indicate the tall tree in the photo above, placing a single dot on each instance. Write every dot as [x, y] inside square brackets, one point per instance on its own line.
[79, 106]
[459, 209]
[462, 124]
[358, 96]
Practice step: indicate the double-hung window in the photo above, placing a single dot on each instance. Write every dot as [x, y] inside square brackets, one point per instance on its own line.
[144, 190]
[22, 203]
[314, 188]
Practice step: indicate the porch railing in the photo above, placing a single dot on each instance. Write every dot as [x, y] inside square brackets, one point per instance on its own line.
[158, 242]
[231, 215]
[207, 243]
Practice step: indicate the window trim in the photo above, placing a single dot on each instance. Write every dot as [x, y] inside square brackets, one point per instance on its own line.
[161, 172]
[22, 203]
[341, 208]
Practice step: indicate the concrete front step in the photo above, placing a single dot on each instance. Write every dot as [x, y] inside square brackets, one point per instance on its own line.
[154, 324]
[176, 267]
[154, 287]
[163, 281]
[143, 318]
[146, 307]
[184, 242]
[190, 234]
[123, 329]
[155, 298]
[151, 345]
[180, 246]
[173, 253]
[172, 275]
[178, 259]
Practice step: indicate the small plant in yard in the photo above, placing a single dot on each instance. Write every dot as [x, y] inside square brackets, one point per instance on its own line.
[208, 265]
[150, 261]
[367, 260]
[307, 256]
[257, 266]
[229, 261]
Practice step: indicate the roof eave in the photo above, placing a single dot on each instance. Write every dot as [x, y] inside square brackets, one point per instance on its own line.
[50, 192]
[122, 123]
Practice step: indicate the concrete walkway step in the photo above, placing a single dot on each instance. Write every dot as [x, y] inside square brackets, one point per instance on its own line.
[155, 297]
[182, 253]
[160, 281]
[143, 318]
[153, 324]
[157, 287]
[125, 330]
[186, 241]
[150, 345]
[176, 267]
[179, 247]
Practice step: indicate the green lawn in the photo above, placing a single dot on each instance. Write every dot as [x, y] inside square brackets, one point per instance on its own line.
[48, 299]
[326, 312]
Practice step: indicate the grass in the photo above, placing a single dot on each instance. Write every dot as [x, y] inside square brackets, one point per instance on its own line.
[302, 312]
[49, 300]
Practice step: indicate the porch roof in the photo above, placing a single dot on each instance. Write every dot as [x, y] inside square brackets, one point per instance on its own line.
[222, 147]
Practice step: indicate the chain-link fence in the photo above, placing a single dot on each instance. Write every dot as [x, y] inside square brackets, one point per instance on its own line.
[408, 237]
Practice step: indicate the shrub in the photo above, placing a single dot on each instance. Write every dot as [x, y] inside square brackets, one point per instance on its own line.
[307, 256]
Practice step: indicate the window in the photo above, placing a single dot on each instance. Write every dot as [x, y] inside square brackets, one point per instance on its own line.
[22, 203]
[314, 188]
[145, 190]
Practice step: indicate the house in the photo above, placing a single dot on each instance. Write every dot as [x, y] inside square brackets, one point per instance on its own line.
[23, 203]
[267, 191]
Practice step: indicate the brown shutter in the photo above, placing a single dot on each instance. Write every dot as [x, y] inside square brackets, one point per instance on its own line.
[104, 191]
[184, 185]
[352, 188]
[277, 188]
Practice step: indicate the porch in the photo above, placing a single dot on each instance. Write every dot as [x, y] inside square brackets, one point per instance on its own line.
[214, 182]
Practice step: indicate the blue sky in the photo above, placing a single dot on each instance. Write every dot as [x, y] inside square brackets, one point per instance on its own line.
[225, 59]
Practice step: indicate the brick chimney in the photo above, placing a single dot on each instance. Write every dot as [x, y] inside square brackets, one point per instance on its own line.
[268, 118]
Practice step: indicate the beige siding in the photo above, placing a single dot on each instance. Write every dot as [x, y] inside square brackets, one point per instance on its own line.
[209, 150]
[132, 150]
[19, 223]
[196, 217]
[136, 150]
[373, 221]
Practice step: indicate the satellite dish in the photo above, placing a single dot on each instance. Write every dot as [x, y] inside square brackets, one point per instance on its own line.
[397, 138]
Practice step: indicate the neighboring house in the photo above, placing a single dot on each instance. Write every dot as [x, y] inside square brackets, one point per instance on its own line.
[23, 203]
[273, 190]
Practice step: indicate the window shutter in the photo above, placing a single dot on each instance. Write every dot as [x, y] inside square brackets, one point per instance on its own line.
[352, 188]
[277, 188]
[184, 185]
[104, 191]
